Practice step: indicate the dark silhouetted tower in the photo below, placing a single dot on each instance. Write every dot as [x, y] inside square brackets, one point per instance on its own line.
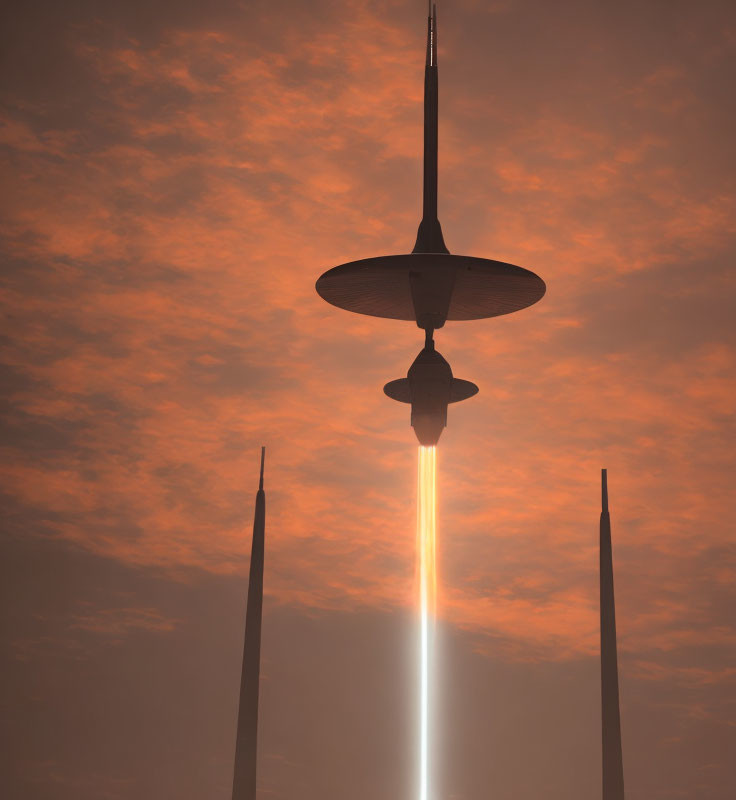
[246, 745]
[613, 764]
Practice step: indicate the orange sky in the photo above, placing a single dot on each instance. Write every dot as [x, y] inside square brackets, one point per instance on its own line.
[177, 177]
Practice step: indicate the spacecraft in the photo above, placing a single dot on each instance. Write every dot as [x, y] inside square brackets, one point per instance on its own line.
[430, 285]
[429, 387]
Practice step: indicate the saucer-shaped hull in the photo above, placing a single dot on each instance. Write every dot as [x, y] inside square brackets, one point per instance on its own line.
[459, 390]
[442, 285]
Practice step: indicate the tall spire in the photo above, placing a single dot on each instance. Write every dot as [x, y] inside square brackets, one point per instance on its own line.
[429, 236]
[613, 766]
[244, 779]
[263, 462]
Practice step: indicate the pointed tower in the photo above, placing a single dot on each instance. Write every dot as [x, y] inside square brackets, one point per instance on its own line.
[246, 745]
[613, 765]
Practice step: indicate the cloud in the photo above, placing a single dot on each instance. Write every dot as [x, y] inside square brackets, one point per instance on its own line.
[163, 241]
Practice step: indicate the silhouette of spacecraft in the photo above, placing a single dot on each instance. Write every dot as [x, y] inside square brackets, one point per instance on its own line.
[430, 387]
[430, 286]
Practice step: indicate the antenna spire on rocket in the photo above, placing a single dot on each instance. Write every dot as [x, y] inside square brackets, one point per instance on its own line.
[429, 235]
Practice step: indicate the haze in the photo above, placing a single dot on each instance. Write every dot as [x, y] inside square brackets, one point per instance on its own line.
[176, 176]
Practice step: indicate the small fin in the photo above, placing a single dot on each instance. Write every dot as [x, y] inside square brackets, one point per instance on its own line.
[398, 390]
[462, 390]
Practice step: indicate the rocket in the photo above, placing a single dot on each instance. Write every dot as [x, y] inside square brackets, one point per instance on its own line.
[429, 387]
[430, 285]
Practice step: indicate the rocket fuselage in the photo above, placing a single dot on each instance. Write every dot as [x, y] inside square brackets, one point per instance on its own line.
[429, 387]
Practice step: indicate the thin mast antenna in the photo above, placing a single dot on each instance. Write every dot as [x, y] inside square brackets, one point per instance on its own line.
[431, 35]
[429, 236]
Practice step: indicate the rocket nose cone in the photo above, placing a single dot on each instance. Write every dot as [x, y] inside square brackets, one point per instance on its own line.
[428, 428]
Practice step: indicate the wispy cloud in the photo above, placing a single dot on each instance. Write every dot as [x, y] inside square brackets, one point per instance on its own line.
[161, 249]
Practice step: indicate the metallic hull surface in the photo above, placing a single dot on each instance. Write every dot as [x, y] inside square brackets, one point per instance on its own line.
[440, 286]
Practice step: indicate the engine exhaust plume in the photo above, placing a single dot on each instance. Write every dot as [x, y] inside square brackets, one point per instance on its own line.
[427, 590]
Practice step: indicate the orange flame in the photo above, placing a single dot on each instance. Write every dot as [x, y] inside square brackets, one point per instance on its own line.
[427, 529]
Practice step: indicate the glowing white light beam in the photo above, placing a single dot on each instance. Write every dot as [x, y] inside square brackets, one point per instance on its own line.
[426, 559]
